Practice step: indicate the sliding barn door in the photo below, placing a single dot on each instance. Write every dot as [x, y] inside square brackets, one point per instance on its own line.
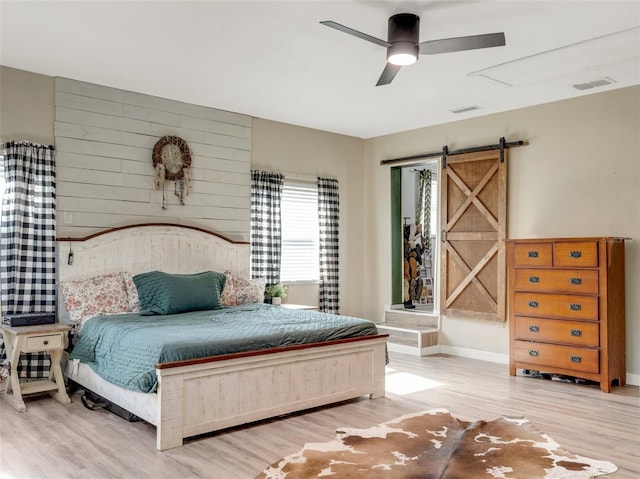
[474, 207]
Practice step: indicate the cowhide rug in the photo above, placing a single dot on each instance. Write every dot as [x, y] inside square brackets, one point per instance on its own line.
[434, 444]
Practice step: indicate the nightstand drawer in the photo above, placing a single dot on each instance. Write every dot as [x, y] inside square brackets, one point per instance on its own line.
[557, 280]
[580, 333]
[43, 343]
[566, 357]
[556, 306]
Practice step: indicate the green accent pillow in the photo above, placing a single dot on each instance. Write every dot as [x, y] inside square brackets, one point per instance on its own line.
[164, 293]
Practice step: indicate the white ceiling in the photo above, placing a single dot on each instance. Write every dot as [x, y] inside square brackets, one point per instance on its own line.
[274, 60]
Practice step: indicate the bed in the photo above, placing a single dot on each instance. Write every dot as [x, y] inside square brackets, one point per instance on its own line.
[207, 393]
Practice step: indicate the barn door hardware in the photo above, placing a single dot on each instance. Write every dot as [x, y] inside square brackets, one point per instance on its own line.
[501, 146]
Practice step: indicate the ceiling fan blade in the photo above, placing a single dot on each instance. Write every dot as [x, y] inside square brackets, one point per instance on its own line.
[388, 74]
[458, 44]
[355, 33]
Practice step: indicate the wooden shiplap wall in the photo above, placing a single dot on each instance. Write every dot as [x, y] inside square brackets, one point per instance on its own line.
[105, 176]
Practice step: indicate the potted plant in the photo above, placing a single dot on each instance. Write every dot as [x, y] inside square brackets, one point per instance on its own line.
[275, 293]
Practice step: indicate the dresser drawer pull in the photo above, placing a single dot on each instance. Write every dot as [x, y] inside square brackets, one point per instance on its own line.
[576, 332]
[533, 254]
[534, 329]
[533, 304]
[576, 359]
[45, 342]
[575, 307]
[576, 254]
[534, 279]
[576, 281]
[534, 353]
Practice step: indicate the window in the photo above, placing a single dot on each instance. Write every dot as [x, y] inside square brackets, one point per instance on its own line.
[300, 233]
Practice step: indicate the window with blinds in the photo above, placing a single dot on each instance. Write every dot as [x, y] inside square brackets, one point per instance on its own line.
[300, 233]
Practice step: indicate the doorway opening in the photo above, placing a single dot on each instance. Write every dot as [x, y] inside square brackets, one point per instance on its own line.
[415, 251]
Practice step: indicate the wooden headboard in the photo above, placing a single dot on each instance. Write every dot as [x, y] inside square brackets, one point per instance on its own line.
[147, 247]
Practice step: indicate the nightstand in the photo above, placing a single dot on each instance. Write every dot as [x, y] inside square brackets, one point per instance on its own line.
[31, 339]
[299, 306]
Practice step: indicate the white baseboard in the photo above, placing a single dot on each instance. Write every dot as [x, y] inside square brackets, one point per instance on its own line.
[475, 354]
[452, 350]
[413, 351]
[633, 379]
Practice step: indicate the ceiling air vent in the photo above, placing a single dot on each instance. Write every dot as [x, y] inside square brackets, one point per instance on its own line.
[594, 84]
[465, 109]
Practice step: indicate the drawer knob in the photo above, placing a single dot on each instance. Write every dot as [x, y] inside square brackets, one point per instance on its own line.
[533, 304]
[534, 329]
[576, 359]
[534, 279]
[534, 353]
[45, 342]
[576, 281]
[576, 332]
[576, 254]
[575, 307]
[533, 254]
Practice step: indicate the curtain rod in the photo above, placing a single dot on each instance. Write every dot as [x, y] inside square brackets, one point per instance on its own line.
[445, 151]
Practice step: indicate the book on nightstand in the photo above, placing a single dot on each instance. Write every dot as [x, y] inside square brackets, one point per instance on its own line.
[29, 319]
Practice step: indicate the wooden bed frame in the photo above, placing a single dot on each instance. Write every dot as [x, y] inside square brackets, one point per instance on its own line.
[204, 395]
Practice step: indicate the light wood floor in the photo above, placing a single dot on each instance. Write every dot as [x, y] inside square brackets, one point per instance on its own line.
[55, 441]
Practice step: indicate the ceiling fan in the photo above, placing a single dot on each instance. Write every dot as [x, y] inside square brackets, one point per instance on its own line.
[403, 47]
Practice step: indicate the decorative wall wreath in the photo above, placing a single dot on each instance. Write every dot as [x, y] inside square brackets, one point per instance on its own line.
[172, 161]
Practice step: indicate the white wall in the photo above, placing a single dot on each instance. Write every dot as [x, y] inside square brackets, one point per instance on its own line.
[306, 153]
[579, 176]
[104, 142]
[26, 106]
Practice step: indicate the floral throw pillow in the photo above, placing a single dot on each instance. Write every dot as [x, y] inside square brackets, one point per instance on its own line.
[132, 292]
[249, 290]
[104, 294]
[228, 295]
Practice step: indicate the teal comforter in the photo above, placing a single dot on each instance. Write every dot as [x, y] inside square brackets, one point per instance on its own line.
[124, 348]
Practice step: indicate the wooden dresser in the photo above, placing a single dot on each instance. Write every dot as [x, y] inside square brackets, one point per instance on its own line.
[566, 307]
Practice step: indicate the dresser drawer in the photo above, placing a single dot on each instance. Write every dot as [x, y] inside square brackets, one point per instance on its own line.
[533, 254]
[556, 305]
[576, 254]
[580, 333]
[565, 357]
[43, 343]
[557, 280]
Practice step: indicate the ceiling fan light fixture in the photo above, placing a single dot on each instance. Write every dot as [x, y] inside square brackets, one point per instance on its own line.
[403, 43]
[402, 53]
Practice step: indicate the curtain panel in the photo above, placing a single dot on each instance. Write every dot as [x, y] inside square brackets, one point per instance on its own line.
[329, 222]
[423, 208]
[266, 229]
[28, 239]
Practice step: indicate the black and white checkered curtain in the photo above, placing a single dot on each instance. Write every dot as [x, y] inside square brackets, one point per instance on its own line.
[329, 222]
[28, 239]
[266, 236]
